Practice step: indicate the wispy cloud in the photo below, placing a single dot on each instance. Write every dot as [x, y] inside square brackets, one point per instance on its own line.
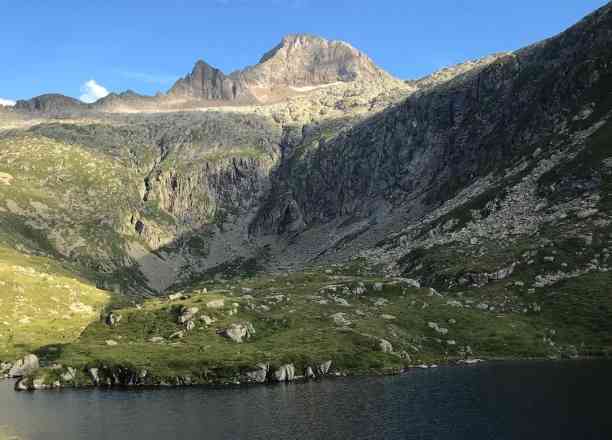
[92, 91]
[7, 102]
[149, 78]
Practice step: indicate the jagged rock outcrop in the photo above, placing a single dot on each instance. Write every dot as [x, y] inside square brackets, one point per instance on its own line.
[298, 63]
[208, 83]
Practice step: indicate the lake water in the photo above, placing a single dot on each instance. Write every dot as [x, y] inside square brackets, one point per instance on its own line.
[526, 400]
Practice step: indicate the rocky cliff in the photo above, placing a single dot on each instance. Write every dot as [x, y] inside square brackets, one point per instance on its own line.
[208, 83]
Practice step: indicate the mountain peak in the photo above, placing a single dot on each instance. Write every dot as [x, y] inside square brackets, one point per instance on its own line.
[299, 60]
[308, 60]
[207, 82]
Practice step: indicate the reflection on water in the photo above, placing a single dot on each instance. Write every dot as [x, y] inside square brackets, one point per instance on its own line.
[539, 400]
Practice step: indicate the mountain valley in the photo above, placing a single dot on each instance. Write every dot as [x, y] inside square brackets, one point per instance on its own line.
[311, 215]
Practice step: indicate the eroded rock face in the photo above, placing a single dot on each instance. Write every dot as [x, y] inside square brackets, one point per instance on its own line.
[24, 366]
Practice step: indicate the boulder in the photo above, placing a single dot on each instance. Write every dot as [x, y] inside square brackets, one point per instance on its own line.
[68, 375]
[408, 282]
[4, 368]
[178, 335]
[323, 368]
[22, 384]
[340, 319]
[309, 373]
[187, 314]
[112, 319]
[385, 346]
[340, 301]
[94, 374]
[207, 319]
[470, 361]
[259, 374]
[359, 290]
[380, 302]
[378, 287]
[24, 366]
[238, 332]
[437, 328]
[216, 304]
[285, 373]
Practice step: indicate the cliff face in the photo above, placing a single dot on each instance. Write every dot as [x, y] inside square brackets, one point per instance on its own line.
[348, 169]
[423, 151]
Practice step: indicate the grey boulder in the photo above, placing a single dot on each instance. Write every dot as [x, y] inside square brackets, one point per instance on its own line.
[24, 366]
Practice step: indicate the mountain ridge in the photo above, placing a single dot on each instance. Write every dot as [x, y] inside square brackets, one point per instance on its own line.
[346, 215]
[298, 61]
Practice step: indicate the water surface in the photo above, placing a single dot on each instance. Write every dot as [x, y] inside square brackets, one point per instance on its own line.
[527, 400]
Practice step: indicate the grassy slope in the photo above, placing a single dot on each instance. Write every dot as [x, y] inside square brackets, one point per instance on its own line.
[59, 194]
[300, 331]
[42, 303]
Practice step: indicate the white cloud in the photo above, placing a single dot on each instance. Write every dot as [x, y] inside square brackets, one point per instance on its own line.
[92, 91]
[7, 102]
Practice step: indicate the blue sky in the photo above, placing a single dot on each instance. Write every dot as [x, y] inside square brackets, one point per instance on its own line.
[60, 45]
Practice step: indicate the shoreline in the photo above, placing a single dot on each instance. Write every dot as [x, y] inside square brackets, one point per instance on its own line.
[29, 384]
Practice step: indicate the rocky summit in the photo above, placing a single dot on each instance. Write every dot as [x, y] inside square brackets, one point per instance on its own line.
[312, 215]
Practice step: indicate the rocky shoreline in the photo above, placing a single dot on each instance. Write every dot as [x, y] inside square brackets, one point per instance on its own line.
[30, 376]
[57, 377]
